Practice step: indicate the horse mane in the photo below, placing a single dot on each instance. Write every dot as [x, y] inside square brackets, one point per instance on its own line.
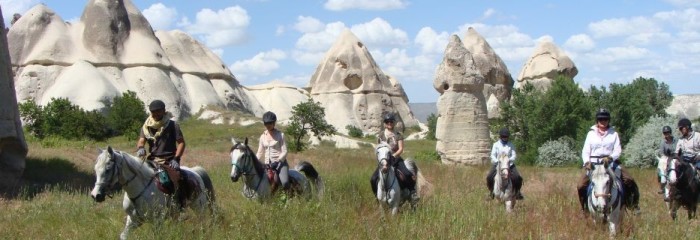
[686, 175]
[382, 144]
[259, 169]
[129, 159]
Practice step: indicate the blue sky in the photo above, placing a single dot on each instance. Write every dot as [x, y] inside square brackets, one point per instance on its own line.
[265, 40]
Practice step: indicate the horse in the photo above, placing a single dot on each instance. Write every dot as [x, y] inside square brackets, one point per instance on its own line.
[142, 198]
[503, 188]
[662, 173]
[605, 196]
[683, 187]
[256, 182]
[389, 192]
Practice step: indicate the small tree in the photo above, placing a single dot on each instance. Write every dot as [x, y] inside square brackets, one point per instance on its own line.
[126, 114]
[432, 125]
[354, 131]
[308, 116]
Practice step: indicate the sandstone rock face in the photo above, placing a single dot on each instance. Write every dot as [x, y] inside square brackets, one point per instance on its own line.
[685, 106]
[13, 148]
[354, 91]
[498, 81]
[113, 49]
[279, 98]
[462, 129]
[544, 65]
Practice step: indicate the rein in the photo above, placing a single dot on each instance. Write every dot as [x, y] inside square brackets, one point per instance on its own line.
[135, 172]
[247, 156]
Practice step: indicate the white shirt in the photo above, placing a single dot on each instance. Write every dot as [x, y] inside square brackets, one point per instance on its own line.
[689, 146]
[500, 148]
[607, 144]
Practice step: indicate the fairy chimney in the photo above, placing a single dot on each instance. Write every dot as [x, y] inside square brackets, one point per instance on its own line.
[13, 148]
[498, 82]
[545, 64]
[354, 90]
[462, 129]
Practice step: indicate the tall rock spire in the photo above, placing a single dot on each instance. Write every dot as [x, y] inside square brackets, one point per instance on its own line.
[545, 64]
[462, 129]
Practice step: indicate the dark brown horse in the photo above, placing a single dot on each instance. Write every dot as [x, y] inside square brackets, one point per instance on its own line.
[684, 187]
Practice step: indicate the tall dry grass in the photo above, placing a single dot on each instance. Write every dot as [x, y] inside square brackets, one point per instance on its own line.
[55, 200]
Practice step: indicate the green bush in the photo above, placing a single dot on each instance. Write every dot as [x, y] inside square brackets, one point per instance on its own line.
[125, 115]
[354, 131]
[62, 119]
[432, 124]
[558, 152]
[644, 146]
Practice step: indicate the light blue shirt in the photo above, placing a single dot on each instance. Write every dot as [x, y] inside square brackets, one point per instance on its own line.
[500, 148]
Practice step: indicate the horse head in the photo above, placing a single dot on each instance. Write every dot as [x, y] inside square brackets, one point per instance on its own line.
[504, 166]
[602, 182]
[243, 161]
[383, 152]
[106, 171]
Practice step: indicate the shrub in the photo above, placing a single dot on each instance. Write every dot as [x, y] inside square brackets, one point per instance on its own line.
[125, 115]
[432, 124]
[643, 147]
[558, 152]
[427, 155]
[354, 131]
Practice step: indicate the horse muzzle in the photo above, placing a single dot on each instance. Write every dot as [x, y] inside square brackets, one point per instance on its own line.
[234, 177]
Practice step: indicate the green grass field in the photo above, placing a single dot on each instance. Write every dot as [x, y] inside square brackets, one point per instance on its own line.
[55, 201]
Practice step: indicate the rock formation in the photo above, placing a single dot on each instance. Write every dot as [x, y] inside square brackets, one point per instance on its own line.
[545, 65]
[279, 98]
[13, 148]
[111, 50]
[686, 105]
[462, 129]
[498, 81]
[354, 91]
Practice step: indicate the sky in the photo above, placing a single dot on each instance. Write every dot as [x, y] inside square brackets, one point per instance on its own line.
[610, 41]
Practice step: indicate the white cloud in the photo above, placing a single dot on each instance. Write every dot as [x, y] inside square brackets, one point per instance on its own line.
[10, 7]
[686, 20]
[488, 13]
[404, 67]
[340, 5]
[430, 41]
[617, 27]
[580, 42]
[618, 54]
[684, 3]
[160, 16]
[379, 33]
[308, 24]
[262, 64]
[307, 58]
[321, 41]
[500, 36]
[280, 30]
[220, 28]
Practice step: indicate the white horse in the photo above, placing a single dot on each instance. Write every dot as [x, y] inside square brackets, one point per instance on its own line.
[605, 198]
[256, 183]
[503, 183]
[662, 172]
[142, 199]
[389, 193]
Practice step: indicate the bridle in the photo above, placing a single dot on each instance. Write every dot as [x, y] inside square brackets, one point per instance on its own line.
[116, 183]
[387, 158]
[247, 167]
[606, 195]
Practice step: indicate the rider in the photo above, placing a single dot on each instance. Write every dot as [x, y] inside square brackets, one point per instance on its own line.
[274, 148]
[603, 142]
[395, 140]
[668, 151]
[166, 144]
[503, 146]
[688, 145]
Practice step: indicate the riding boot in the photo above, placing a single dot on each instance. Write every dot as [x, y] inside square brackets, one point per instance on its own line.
[582, 198]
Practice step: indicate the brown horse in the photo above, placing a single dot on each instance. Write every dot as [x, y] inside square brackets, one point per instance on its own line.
[684, 187]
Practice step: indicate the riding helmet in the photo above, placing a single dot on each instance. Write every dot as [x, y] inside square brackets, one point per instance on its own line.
[156, 105]
[389, 117]
[684, 122]
[269, 117]
[504, 132]
[602, 114]
[666, 129]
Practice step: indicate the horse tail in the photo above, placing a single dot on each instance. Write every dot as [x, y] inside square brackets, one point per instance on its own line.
[207, 184]
[311, 173]
[423, 187]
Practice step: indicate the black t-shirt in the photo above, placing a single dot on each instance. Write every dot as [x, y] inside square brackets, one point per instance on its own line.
[166, 145]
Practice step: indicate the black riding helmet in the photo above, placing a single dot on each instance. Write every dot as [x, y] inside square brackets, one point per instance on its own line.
[269, 117]
[389, 117]
[666, 129]
[684, 122]
[602, 114]
[504, 132]
[156, 105]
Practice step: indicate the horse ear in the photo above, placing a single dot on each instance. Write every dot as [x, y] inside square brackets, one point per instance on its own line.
[379, 141]
[99, 151]
[233, 141]
[109, 150]
[246, 141]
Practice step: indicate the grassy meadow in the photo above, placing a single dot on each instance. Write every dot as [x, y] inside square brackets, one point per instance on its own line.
[55, 204]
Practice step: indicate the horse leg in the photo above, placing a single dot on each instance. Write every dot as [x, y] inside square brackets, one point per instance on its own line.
[509, 206]
[691, 210]
[130, 224]
[614, 222]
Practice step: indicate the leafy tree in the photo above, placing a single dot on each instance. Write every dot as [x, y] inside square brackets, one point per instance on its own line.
[125, 115]
[33, 116]
[308, 116]
[643, 147]
[432, 125]
[62, 119]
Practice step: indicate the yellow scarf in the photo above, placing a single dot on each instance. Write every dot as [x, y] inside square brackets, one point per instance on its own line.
[153, 124]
